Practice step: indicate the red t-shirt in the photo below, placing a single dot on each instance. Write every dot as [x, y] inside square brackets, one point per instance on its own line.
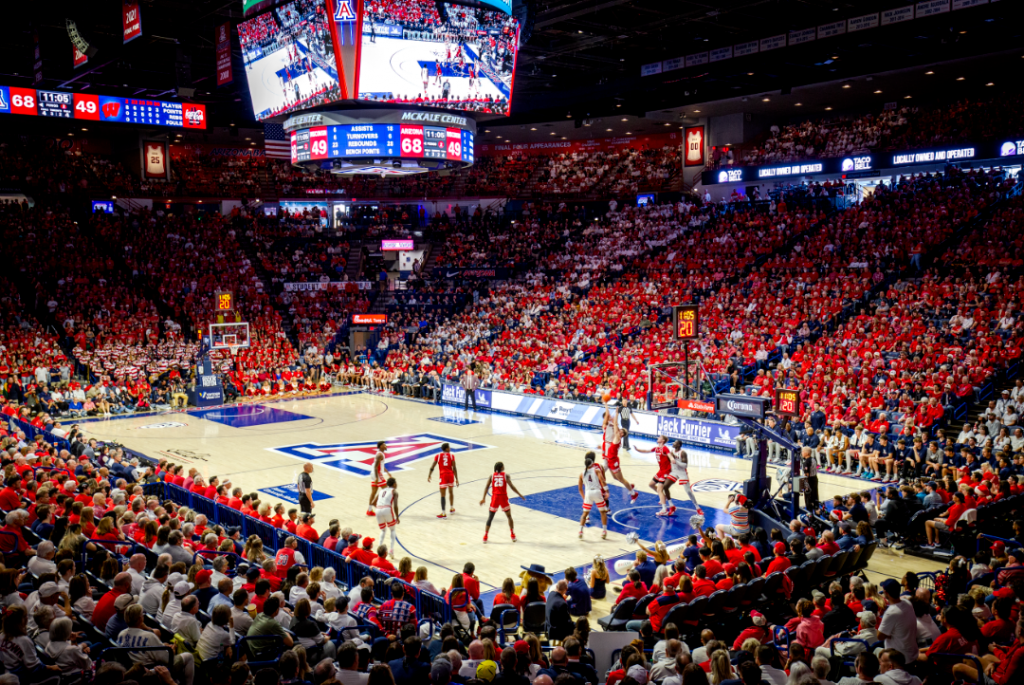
[950, 642]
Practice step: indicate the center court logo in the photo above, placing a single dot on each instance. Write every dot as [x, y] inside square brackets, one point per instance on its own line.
[356, 458]
[166, 424]
[717, 485]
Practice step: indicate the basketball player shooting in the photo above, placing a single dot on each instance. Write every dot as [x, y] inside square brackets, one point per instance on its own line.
[449, 476]
[500, 481]
[611, 457]
[378, 475]
[659, 483]
[592, 488]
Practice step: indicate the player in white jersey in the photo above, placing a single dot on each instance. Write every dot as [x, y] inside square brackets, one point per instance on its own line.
[679, 475]
[592, 489]
[387, 512]
[425, 77]
[378, 476]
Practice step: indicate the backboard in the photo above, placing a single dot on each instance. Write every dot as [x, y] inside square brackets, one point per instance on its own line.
[229, 336]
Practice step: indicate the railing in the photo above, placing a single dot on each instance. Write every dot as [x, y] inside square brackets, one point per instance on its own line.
[347, 572]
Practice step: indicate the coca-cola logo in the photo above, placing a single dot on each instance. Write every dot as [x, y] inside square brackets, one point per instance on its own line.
[195, 116]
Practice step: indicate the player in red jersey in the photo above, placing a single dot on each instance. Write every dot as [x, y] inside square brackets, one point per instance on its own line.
[449, 476]
[611, 457]
[660, 482]
[500, 481]
[378, 477]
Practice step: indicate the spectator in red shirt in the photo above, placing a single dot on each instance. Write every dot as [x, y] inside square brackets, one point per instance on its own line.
[780, 562]
[10, 498]
[472, 585]
[305, 528]
[364, 555]
[635, 588]
[105, 606]
[934, 527]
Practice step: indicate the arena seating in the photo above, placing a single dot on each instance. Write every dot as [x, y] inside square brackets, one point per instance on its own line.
[965, 121]
[906, 302]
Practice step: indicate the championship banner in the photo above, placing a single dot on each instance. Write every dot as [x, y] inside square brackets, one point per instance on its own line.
[329, 285]
[154, 159]
[131, 21]
[694, 146]
[225, 74]
[78, 57]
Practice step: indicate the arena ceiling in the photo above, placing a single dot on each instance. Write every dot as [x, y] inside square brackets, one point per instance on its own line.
[581, 59]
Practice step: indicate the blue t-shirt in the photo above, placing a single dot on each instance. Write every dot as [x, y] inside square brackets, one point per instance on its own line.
[579, 598]
[692, 556]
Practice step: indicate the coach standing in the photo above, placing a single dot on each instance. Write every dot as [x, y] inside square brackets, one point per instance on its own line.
[470, 383]
[305, 487]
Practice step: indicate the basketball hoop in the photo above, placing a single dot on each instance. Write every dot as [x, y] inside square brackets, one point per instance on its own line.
[234, 350]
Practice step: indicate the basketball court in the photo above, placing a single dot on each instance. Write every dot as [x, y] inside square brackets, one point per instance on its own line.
[261, 447]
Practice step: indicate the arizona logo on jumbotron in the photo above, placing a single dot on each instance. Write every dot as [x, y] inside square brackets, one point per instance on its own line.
[356, 458]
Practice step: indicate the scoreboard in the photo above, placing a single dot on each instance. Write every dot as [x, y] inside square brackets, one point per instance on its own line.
[684, 322]
[93, 107]
[381, 141]
[348, 141]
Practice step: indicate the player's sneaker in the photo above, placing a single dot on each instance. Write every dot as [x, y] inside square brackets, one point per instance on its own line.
[581, 533]
[604, 534]
[371, 512]
[452, 510]
[634, 495]
[671, 511]
[442, 515]
[485, 537]
[663, 512]
[513, 537]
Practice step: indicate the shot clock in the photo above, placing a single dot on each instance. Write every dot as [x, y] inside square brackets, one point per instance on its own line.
[685, 321]
[224, 301]
[787, 402]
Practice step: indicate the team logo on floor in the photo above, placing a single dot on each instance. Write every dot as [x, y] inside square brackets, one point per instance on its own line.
[717, 485]
[356, 458]
[165, 424]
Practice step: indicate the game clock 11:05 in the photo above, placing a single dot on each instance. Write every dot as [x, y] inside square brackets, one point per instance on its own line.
[685, 322]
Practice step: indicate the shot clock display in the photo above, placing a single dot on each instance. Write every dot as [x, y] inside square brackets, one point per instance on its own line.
[684, 322]
[224, 301]
[787, 402]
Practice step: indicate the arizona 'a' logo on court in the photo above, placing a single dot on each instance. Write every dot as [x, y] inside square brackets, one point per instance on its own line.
[344, 11]
[357, 457]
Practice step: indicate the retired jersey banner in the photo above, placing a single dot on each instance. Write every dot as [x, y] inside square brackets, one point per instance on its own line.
[131, 21]
[693, 146]
[78, 57]
[154, 159]
[225, 74]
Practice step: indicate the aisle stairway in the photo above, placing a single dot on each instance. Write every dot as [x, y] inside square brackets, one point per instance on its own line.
[272, 289]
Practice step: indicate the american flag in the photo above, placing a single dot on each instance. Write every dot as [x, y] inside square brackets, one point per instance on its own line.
[277, 144]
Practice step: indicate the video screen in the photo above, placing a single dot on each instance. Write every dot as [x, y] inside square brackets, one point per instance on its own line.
[437, 54]
[289, 58]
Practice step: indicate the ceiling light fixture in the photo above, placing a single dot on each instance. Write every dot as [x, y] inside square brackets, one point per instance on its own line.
[960, 79]
[533, 129]
[828, 109]
[928, 73]
[552, 133]
[607, 129]
[877, 92]
[765, 99]
[799, 104]
[987, 84]
[907, 97]
[846, 85]
[696, 111]
[625, 119]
